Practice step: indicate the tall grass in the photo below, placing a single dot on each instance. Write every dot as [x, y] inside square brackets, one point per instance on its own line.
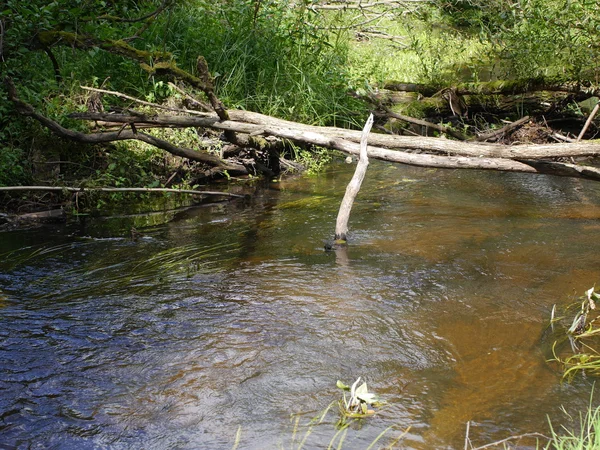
[586, 438]
[273, 57]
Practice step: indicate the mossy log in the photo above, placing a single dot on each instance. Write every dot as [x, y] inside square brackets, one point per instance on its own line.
[527, 103]
[501, 87]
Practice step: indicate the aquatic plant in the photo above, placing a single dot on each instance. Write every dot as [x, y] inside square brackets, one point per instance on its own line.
[360, 400]
[582, 333]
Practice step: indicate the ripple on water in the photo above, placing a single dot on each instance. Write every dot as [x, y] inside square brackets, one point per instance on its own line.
[232, 317]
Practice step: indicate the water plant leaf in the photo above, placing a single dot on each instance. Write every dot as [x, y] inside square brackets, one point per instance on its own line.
[368, 398]
[362, 389]
[343, 386]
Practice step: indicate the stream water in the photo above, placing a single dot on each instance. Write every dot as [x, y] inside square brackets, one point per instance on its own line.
[231, 318]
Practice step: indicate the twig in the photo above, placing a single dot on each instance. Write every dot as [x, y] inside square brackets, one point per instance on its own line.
[467, 440]
[562, 138]
[588, 121]
[359, 5]
[78, 190]
[511, 438]
[505, 129]
[427, 124]
[150, 15]
[202, 105]
[143, 102]
[104, 137]
[2, 40]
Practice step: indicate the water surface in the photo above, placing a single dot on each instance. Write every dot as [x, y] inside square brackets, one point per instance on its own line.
[232, 315]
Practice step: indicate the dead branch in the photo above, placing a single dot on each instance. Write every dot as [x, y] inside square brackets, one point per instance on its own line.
[137, 100]
[194, 101]
[588, 121]
[341, 226]
[493, 135]
[105, 137]
[164, 4]
[361, 6]
[425, 123]
[105, 189]
[155, 63]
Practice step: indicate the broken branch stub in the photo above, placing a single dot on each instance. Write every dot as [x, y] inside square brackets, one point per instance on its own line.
[341, 226]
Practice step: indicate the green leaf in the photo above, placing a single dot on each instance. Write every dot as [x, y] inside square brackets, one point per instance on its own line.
[343, 386]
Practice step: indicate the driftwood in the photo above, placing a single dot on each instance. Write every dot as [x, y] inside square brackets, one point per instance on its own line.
[341, 226]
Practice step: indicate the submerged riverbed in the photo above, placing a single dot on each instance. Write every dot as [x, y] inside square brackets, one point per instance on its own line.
[231, 317]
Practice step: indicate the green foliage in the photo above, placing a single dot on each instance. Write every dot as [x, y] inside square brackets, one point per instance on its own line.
[127, 167]
[360, 400]
[270, 56]
[553, 38]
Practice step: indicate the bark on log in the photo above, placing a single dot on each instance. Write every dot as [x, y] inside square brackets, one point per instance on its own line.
[341, 226]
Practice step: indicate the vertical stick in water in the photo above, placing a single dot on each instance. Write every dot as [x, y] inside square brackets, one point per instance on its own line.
[341, 226]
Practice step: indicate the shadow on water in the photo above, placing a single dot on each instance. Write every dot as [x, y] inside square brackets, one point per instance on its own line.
[232, 315]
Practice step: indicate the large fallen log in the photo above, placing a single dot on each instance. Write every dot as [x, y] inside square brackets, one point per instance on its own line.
[447, 153]
[256, 124]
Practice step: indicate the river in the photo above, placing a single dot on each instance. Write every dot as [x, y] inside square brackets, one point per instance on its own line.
[230, 319]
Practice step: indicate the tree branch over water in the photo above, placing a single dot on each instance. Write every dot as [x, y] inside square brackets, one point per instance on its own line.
[442, 153]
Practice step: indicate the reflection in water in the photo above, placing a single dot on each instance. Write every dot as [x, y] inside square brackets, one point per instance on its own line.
[233, 315]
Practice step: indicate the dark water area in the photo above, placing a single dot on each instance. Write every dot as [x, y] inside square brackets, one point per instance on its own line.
[231, 317]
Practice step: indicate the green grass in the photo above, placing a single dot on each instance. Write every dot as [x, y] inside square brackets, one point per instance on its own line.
[587, 437]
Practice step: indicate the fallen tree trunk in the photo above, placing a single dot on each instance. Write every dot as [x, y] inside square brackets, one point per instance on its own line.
[500, 87]
[470, 155]
[256, 124]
